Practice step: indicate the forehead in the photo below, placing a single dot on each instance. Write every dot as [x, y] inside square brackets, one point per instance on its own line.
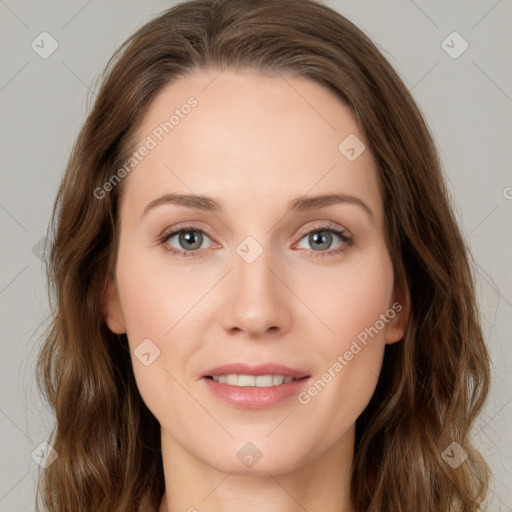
[249, 137]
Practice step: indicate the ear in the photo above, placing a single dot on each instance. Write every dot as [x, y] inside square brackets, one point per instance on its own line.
[398, 315]
[112, 308]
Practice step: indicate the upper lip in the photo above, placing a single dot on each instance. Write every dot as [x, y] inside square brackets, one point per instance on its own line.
[257, 369]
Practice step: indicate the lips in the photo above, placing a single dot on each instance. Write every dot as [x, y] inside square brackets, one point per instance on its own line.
[255, 392]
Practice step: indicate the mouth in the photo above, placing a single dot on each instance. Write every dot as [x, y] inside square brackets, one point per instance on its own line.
[246, 386]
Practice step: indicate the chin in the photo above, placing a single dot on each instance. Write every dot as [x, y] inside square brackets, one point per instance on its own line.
[252, 458]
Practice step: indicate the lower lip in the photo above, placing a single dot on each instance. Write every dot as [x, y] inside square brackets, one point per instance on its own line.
[251, 397]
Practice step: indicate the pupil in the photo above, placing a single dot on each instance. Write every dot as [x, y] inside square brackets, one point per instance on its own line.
[189, 238]
[323, 243]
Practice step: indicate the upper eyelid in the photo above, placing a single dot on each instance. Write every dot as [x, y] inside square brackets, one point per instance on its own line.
[325, 225]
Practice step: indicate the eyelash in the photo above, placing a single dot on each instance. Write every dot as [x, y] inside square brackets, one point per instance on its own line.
[342, 234]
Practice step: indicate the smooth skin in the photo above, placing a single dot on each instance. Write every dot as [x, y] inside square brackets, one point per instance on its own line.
[254, 142]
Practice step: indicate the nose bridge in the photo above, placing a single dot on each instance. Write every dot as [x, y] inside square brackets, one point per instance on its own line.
[257, 300]
[252, 262]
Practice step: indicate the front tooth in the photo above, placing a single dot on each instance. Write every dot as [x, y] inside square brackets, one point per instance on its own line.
[260, 381]
[263, 381]
[232, 379]
[277, 379]
[246, 380]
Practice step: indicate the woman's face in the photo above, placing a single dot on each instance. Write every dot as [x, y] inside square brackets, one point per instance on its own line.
[262, 277]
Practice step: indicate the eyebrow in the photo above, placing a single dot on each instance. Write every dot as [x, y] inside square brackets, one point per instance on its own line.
[300, 204]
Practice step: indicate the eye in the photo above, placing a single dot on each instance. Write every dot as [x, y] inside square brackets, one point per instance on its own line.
[188, 237]
[190, 241]
[321, 238]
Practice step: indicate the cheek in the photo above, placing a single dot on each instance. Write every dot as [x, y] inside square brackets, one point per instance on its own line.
[351, 298]
[356, 306]
[160, 313]
[155, 296]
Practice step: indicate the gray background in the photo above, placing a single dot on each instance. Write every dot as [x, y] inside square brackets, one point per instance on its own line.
[467, 102]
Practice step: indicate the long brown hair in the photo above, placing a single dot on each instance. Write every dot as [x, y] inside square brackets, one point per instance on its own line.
[433, 382]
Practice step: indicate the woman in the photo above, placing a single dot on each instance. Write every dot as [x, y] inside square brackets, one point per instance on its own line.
[317, 346]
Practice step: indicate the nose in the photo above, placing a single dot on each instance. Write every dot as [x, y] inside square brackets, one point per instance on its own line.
[257, 302]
